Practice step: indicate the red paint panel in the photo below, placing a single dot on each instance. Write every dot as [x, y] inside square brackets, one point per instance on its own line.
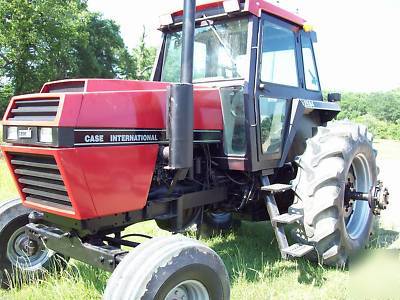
[72, 176]
[134, 109]
[99, 180]
[75, 181]
[256, 7]
[210, 5]
[118, 178]
[207, 109]
[145, 109]
[69, 110]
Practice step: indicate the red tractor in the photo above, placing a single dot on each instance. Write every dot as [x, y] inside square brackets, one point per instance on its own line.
[245, 134]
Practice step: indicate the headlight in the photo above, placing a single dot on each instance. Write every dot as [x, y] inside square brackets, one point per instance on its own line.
[12, 133]
[46, 135]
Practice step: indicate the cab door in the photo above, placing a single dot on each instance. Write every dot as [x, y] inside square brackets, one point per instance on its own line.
[278, 81]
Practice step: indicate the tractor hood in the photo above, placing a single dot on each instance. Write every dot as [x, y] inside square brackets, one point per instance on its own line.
[107, 104]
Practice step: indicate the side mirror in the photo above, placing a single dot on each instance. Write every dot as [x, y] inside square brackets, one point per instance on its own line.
[334, 97]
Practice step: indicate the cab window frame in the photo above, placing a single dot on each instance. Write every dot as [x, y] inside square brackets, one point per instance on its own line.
[307, 35]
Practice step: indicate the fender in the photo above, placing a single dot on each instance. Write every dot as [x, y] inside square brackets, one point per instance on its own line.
[301, 109]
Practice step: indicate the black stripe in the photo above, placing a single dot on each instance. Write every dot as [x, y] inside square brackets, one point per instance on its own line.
[98, 137]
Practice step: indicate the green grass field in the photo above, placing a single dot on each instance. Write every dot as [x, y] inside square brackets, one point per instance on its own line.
[251, 256]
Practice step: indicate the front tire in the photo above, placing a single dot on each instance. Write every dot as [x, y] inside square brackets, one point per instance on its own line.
[337, 153]
[169, 268]
[15, 263]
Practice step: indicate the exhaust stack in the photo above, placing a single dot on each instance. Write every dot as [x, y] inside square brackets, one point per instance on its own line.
[180, 101]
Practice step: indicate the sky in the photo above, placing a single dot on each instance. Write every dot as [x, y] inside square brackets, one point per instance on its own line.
[358, 45]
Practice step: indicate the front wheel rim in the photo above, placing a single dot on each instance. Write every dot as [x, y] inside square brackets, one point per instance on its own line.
[188, 290]
[18, 256]
[359, 218]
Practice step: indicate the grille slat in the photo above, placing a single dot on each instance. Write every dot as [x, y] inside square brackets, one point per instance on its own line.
[31, 118]
[22, 161]
[45, 102]
[41, 180]
[34, 110]
[42, 183]
[49, 202]
[46, 193]
[35, 172]
[28, 110]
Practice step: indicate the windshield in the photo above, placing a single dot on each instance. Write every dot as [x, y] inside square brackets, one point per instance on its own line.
[220, 52]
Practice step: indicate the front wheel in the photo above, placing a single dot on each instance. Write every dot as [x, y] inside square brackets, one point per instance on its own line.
[17, 263]
[169, 268]
[339, 156]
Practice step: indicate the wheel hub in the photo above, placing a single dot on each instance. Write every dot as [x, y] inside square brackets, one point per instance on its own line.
[23, 243]
[24, 253]
[188, 290]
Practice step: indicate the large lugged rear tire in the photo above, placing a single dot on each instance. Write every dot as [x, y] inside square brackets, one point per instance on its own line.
[337, 152]
[15, 263]
[169, 268]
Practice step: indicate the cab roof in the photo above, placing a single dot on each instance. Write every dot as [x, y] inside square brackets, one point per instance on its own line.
[255, 7]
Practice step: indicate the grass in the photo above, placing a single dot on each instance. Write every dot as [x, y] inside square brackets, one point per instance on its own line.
[251, 257]
[7, 188]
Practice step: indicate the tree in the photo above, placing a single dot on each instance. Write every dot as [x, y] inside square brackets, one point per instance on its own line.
[144, 57]
[36, 40]
[102, 52]
[44, 40]
[6, 92]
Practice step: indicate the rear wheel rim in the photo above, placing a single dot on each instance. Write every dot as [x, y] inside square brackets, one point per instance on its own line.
[18, 256]
[359, 218]
[188, 290]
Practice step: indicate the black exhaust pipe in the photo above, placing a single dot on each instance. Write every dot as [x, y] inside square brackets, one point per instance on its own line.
[180, 100]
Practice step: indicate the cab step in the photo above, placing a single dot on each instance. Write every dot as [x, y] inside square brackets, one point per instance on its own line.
[276, 188]
[278, 220]
[297, 250]
[286, 218]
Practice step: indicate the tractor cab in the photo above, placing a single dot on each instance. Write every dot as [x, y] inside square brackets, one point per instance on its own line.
[261, 58]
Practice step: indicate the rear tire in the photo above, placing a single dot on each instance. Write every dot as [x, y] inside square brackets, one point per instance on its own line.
[166, 267]
[331, 155]
[190, 217]
[218, 222]
[16, 266]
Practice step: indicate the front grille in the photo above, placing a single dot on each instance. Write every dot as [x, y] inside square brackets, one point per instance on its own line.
[34, 110]
[41, 180]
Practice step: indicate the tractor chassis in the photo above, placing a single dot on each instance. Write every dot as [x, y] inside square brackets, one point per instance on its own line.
[89, 240]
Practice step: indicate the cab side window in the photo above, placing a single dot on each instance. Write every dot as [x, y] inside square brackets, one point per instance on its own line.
[310, 69]
[279, 55]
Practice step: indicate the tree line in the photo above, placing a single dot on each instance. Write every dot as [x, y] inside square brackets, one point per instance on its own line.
[380, 111]
[45, 40]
